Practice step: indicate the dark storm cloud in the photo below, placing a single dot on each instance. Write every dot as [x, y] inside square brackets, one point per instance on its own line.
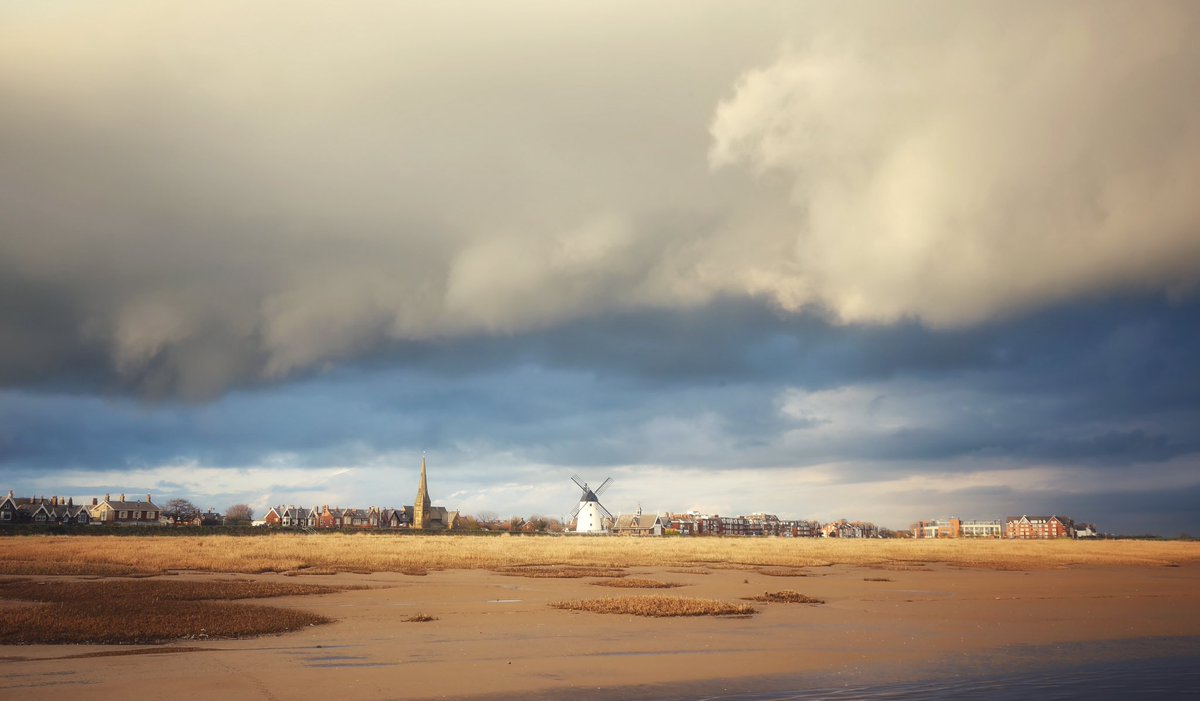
[612, 393]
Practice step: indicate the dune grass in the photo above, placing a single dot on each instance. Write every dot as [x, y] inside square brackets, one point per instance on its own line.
[146, 611]
[658, 606]
[115, 555]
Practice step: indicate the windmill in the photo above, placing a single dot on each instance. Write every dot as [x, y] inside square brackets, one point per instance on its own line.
[590, 511]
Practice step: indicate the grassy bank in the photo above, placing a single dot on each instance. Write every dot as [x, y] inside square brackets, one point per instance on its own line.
[357, 553]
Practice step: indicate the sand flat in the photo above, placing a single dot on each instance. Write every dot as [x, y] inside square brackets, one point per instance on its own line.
[496, 635]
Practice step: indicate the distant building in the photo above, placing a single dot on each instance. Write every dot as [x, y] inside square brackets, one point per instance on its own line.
[54, 510]
[125, 513]
[756, 524]
[426, 516]
[982, 529]
[207, 519]
[957, 528]
[1038, 527]
[1086, 530]
[849, 529]
[423, 515]
[638, 524]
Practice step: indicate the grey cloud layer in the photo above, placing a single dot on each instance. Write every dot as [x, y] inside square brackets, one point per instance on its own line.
[197, 196]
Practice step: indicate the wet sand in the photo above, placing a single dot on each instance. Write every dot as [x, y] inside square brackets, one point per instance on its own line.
[495, 635]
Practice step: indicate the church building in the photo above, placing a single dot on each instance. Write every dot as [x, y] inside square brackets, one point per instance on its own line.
[426, 516]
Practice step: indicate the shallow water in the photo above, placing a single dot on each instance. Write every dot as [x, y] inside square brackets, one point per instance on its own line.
[1170, 678]
[1156, 668]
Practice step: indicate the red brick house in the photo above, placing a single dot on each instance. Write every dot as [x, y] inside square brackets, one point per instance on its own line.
[1038, 527]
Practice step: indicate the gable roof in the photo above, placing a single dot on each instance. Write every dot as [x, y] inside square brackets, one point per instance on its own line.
[636, 521]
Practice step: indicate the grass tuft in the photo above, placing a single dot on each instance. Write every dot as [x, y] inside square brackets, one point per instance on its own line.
[781, 572]
[561, 571]
[786, 596]
[634, 583]
[658, 606]
[420, 618]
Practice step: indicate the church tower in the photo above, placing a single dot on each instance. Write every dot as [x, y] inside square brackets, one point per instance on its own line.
[421, 506]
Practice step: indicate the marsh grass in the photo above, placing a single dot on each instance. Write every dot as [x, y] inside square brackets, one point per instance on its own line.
[146, 611]
[877, 579]
[781, 572]
[658, 606]
[560, 571]
[420, 618]
[283, 552]
[786, 596]
[635, 583]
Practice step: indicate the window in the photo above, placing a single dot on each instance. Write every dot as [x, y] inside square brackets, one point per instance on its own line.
[122, 515]
[6, 515]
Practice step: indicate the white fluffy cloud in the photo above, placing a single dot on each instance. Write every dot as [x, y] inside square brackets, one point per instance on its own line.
[998, 161]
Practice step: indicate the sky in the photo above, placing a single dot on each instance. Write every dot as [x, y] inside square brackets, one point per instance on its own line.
[876, 261]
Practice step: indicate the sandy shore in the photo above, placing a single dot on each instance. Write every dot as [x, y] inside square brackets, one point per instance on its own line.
[495, 635]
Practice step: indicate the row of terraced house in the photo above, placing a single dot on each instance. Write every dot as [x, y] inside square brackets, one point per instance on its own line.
[762, 524]
[1023, 527]
[422, 515]
[64, 511]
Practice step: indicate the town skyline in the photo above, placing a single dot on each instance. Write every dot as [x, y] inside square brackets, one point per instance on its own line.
[855, 259]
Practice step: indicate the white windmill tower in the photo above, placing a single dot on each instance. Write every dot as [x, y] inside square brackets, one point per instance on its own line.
[590, 511]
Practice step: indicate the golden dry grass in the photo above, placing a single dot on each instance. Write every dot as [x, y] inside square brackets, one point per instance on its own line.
[688, 570]
[658, 606]
[635, 583]
[787, 596]
[348, 553]
[145, 611]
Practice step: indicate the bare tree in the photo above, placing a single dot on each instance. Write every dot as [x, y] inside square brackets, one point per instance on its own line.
[239, 513]
[180, 510]
[487, 517]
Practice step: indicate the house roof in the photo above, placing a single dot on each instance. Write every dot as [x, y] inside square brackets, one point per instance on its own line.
[131, 505]
[636, 521]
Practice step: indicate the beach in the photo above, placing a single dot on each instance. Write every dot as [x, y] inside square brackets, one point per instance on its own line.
[497, 635]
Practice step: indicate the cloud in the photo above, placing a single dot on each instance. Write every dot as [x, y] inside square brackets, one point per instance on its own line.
[983, 162]
[218, 196]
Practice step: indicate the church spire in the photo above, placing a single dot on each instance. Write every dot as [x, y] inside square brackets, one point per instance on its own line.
[422, 504]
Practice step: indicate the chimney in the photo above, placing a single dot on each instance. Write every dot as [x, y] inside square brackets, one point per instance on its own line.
[53, 501]
[122, 497]
[107, 497]
[70, 501]
[10, 494]
[95, 501]
[148, 499]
